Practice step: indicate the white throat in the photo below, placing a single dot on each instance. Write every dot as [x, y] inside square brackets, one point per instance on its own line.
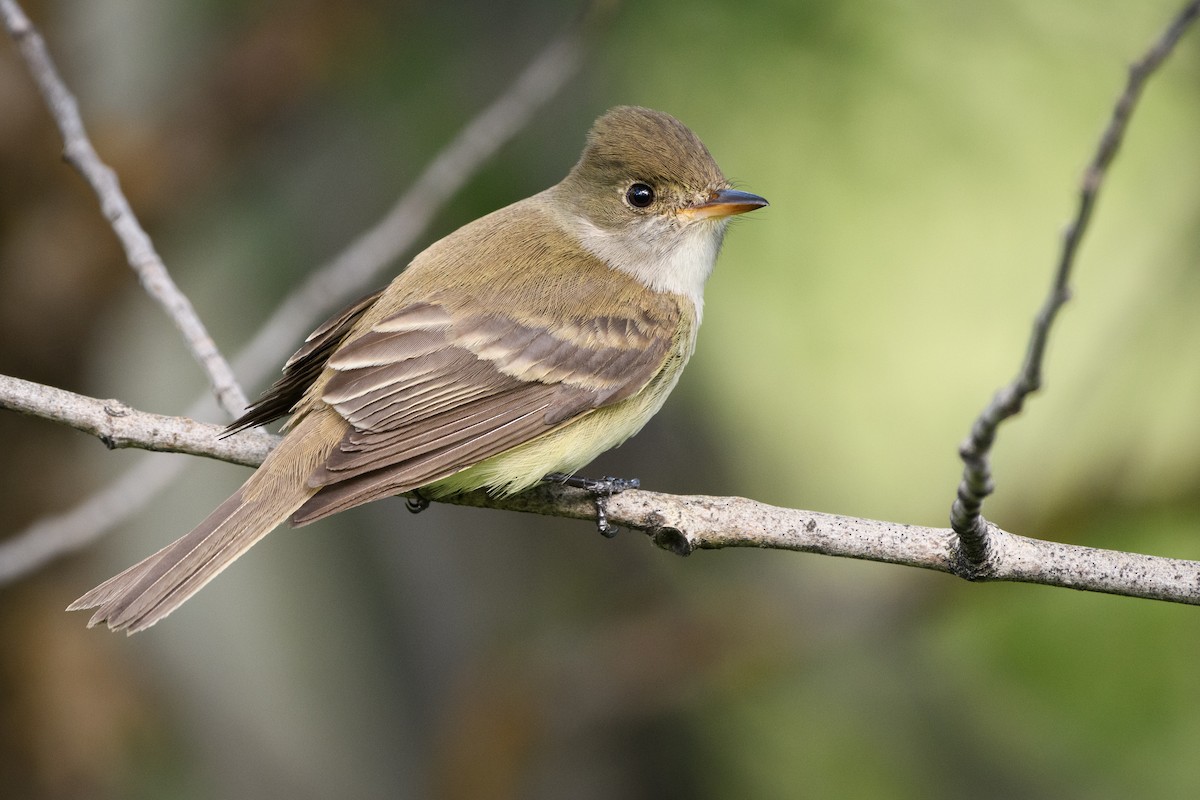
[667, 255]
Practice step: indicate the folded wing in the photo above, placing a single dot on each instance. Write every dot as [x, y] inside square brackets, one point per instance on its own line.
[431, 389]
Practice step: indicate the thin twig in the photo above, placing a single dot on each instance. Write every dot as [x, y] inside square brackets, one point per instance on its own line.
[348, 274]
[139, 250]
[965, 514]
[683, 524]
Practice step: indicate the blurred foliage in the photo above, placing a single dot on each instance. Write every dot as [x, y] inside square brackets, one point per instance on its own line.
[920, 160]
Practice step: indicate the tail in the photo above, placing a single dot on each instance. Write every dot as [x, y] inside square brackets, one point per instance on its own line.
[151, 589]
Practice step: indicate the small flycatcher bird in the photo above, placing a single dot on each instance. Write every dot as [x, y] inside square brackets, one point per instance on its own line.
[520, 346]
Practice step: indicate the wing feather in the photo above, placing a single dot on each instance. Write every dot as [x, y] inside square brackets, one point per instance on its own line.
[428, 392]
[419, 412]
[304, 367]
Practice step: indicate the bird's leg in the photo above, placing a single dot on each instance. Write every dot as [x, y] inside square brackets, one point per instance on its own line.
[416, 502]
[600, 490]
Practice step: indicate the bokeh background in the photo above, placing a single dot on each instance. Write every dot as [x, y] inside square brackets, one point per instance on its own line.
[920, 159]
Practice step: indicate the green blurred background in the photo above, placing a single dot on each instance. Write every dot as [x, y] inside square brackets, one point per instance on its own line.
[920, 159]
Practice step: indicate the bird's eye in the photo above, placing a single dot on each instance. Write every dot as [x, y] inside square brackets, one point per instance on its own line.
[639, 195]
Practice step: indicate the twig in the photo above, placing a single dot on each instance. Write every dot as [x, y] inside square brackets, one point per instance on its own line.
[975, 546]
[139, 250]
[684, 524]
[346, 275]
[119, 426]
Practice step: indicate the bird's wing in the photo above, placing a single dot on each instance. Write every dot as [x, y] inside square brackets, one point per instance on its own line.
[303, 368]
[439, 386]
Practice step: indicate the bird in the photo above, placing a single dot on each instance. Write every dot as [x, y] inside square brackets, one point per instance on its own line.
[514, 350]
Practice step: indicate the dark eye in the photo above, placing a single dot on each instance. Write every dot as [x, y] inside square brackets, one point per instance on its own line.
[639, 195]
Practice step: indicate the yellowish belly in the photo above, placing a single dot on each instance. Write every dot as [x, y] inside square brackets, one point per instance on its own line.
[575, 444]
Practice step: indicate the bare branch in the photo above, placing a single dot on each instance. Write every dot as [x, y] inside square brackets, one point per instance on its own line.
[118, 426]
[684, 524]
[139, 250]
[348, 274]
[966, 518]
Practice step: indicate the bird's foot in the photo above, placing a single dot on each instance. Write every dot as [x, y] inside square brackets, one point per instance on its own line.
[600, 490]
[416, 502]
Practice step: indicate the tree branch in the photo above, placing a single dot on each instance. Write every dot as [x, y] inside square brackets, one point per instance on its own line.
[974, 532]
[119, 426]
[139, 250]
[678, 523]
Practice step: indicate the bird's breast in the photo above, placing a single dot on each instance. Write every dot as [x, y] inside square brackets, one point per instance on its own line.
[577, 442]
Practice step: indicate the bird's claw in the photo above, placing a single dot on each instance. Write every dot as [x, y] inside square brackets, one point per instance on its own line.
[416, 502]
[600, 490]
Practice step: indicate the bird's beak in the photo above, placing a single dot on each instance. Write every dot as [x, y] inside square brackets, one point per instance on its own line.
[725, 203]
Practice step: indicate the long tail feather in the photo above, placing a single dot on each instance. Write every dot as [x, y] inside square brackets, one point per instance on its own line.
[151, 589]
